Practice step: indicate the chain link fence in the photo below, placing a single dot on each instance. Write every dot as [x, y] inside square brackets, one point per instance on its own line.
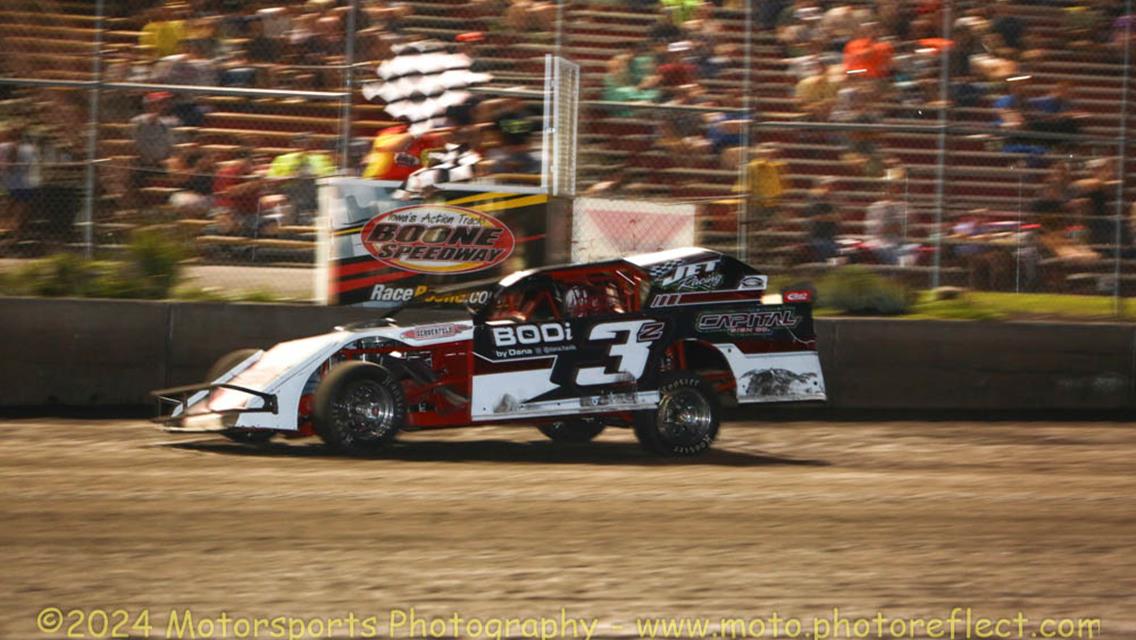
[940, 143]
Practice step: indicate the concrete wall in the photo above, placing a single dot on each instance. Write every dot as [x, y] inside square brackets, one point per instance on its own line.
[106, 352]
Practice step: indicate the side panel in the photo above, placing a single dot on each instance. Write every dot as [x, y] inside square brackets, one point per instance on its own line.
[590, 365]
[775, 377]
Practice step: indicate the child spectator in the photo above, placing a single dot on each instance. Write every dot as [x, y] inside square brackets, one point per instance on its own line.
[883, 224]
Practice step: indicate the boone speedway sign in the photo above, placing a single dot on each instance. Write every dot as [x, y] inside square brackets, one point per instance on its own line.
[437, 239]
[380, 251]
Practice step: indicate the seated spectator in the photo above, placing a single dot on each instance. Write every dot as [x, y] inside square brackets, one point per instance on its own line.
[841, 23]
[664, 30]
[514, 123]
[154, 139]
[967, 91]
[816, 95]
[1095, 199]
[298, 171]
[1050, 200]
[813, 60]
[261, 48]
[867, 52]
[237, 191]
[676, 70]
[823, 221]
[1011, 28]
[1010, 117]
[764, 182]
[191, 67]
[883, 223]
[621, 84]
[680, 10]
[1123, 31]
[163, 33]
[894, 17]
[1053, 112]
[798, 25]
[1082, 25]
[723, 131]
[191, 171]
[530, 16]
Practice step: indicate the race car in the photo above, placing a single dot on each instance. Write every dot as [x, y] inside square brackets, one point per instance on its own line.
[657, 343]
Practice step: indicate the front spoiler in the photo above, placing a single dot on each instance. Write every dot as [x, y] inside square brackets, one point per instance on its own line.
[180, 398]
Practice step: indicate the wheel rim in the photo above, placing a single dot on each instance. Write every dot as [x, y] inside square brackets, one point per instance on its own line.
[367, 409]
[685, 417]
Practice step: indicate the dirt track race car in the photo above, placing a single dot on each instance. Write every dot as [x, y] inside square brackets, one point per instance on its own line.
[655, 342]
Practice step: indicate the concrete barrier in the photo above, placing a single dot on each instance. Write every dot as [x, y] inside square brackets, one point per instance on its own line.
[902, 364]
[108, 352]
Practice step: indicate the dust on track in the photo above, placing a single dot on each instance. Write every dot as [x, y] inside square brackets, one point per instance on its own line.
[911, 518]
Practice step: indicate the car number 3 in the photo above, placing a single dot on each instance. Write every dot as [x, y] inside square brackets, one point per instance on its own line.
[630, 354]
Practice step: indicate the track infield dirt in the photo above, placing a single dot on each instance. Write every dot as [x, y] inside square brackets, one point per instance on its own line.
[908, 518]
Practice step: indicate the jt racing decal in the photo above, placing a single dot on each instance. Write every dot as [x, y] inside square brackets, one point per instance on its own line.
[699, 276]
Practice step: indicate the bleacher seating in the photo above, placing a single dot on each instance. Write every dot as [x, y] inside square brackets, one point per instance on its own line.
[56, 39]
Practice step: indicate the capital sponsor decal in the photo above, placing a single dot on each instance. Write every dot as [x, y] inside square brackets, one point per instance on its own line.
[437, 239]
[744, 323]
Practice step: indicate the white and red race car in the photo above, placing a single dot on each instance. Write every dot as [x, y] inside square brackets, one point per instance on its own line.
[655, 342]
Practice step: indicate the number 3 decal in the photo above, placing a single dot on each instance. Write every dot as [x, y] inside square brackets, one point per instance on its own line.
[630, 355]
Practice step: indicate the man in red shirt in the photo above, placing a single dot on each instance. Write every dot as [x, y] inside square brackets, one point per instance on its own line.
[868, 54]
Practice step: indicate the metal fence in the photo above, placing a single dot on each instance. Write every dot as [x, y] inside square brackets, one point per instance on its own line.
[942, 143]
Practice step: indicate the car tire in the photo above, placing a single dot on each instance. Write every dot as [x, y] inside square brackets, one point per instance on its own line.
[572, 430]
[359, 408]
[220, 368]
[685, 423]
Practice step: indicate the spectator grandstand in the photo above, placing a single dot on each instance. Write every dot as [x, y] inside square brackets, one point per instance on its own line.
[681, 76]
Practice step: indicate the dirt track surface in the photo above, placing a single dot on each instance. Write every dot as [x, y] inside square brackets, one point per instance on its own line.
[909, 518]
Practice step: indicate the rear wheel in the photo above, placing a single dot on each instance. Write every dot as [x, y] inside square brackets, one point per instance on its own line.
[220, 368]
[686, 420]
[359, 408]
[572, 430]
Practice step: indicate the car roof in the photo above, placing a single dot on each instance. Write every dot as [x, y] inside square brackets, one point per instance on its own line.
[641, 262]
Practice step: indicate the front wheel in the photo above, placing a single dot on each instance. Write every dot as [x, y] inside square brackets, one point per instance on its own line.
[572, 430]
[686, 420]
[359, 408]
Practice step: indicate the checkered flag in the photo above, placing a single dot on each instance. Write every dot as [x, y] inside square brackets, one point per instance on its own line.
[423, 80]
[455, 164]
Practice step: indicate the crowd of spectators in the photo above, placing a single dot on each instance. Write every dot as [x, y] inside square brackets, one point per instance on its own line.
[851, 63]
